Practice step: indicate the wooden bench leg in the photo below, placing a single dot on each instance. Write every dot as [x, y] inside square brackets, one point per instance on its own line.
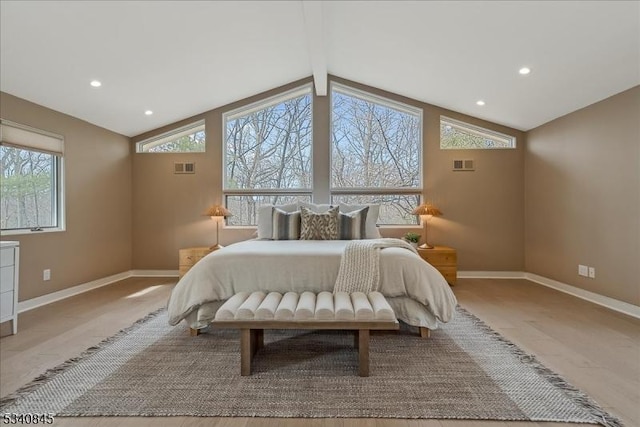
[363, 352]
[246, 351]
[424, 332]
[194, 332]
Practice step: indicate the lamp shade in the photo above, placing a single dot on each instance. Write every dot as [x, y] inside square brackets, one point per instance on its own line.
[217, 210]
[426, 209]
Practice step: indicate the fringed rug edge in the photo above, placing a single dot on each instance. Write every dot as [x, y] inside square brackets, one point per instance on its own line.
[51, 373]
[590, 405]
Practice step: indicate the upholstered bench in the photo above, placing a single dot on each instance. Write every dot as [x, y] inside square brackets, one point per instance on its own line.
[252, 313]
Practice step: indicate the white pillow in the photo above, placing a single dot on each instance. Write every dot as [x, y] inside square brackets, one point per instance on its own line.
[372, 231]
[265, 218]
[315, 208]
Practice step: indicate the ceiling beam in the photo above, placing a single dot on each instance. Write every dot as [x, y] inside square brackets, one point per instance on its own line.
[314, 30]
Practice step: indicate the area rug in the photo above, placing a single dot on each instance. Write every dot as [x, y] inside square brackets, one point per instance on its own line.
[464, 371]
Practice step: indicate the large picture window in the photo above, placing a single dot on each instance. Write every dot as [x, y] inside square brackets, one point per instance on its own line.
[376, 152]
[30, 179]
[267, 154]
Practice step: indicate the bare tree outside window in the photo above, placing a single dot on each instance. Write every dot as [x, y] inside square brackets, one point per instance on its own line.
[394, 208]
[190, 138]
[458, 135]
[376, 147]
[245, 208]
[194, 143]
[376, 154]
[268, 156]
[28, 189]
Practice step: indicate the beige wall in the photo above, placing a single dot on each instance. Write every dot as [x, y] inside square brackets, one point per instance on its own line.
[582, 191]
[483, 210]
[97, 177]
[126, 210]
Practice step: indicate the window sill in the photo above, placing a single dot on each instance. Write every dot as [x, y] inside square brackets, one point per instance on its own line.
[25, 232]
[384, 226]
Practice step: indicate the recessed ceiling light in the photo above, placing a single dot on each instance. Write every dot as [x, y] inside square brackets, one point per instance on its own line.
[524, 71]
[480, 103]
[148, 112]
[96, 83]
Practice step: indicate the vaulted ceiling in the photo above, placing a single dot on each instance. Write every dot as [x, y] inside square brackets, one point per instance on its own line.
[180, 58]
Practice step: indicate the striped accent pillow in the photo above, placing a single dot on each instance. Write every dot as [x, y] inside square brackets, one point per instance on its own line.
[285, 225]
[352, 225]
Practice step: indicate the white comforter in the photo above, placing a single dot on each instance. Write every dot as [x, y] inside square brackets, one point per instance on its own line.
[311, 265]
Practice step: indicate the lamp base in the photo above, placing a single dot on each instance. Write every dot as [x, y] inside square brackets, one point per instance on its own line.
[425, 246]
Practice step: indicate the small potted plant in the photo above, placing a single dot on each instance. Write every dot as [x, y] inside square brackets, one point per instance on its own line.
[412, 238]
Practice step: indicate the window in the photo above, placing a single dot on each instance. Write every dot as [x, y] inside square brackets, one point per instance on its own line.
[455, 134]
[187, 139]
[30, 179]
[376, 153]
[267, 154]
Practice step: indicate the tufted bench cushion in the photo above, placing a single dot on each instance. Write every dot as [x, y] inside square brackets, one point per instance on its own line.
[306, 306]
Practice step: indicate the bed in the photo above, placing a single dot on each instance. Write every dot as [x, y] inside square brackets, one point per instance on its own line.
[418, 293]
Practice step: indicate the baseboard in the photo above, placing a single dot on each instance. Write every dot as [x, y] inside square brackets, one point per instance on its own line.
[607, 302]
[154, 273]
[610, 303]
[32, 303]
[491, 275]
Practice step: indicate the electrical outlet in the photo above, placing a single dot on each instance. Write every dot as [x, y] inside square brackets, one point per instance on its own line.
[46, 274]
[592, 272]
[583, 270]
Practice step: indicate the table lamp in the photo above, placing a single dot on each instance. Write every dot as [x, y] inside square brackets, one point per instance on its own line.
[426, 211]
[217, 213]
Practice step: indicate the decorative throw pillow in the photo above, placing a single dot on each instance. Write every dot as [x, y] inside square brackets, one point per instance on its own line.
[265, 218]
[372, 231]
[319, 226]
[352, 225]
[285, 225]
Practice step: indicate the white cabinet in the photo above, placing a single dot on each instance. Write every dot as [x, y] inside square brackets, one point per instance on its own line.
[9, 262]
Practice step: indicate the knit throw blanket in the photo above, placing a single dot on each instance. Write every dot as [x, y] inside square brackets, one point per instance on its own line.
[360, 264]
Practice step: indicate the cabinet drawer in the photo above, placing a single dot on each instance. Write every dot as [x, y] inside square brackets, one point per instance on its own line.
[6, 278]
[191, 256]
[6, 304]
[440, 258]
[6, 257]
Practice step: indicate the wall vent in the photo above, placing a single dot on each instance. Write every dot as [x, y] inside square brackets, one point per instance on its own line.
[182, 167]
[464, 165]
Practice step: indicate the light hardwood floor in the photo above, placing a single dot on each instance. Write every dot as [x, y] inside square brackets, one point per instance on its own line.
[595, 349]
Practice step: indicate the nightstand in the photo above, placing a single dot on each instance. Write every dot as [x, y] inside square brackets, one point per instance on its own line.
[189, 256]
[444, 259]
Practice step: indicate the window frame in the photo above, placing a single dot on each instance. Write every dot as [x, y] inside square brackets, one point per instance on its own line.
[58, 185]
[306, 89]
[376, 191]
[170, 136]
[476, 131]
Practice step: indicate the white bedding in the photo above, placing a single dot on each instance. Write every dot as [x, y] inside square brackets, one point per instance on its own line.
[417, 291]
